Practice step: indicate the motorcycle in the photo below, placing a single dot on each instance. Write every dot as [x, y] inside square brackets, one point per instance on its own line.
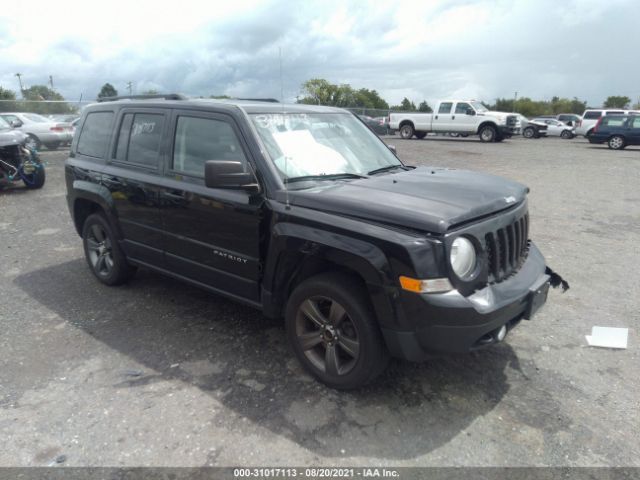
[19, 163]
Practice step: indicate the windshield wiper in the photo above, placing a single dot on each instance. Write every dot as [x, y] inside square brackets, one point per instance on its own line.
[387, 168]
[332, 176]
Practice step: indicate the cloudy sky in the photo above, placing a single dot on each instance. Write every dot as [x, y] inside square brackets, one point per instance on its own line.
[420, 49]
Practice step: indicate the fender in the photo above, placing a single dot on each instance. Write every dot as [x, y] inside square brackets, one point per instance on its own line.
[99, 195]
[293, 244]
[487, 122]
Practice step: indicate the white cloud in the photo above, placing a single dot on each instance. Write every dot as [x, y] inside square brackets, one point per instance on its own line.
[481, 49]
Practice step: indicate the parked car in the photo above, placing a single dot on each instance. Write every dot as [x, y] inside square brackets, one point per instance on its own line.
[377, 124]
[556, 128]
[64, 118]
[591, 116]
[40, 130]
[303, 212]
[570, 119]
[617, 131]
[18, 163]
[533, 128]
[457, 116]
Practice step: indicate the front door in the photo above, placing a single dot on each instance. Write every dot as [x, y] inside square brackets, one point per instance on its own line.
[463, 119]
[211, 235]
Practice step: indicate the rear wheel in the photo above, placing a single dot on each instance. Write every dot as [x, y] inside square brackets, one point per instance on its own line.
[52, 146]
[333, 331]
[420, 135]
[566, 134]
[406, 131]
[616, 142]
[487, 134]
[103, 254]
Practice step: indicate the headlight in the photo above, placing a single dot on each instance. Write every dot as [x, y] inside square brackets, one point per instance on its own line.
[462, 257]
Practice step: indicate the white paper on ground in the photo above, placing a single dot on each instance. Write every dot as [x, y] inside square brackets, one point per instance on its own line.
[608, 337]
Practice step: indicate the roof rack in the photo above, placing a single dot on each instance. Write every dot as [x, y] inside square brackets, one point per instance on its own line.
[270, 100]
[164, 96]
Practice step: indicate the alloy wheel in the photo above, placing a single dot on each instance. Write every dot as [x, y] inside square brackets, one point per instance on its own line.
[100, 250]
[327, 335]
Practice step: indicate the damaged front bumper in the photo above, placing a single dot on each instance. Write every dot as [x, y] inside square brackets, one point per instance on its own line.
[452, 323]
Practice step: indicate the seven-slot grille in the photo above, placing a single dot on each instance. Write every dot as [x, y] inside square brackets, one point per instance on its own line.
[507, 249]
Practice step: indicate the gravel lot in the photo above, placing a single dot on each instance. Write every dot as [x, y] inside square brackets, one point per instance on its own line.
[161, 374]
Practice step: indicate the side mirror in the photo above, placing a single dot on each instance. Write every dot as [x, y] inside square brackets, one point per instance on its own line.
[16, 124]
[393, 149]
[471, 111]
[228, 174]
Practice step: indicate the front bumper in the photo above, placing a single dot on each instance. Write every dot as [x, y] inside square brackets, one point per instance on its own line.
[508, 130]
[452, 323]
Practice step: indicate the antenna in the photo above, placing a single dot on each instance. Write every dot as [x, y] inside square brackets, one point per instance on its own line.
[286, 169]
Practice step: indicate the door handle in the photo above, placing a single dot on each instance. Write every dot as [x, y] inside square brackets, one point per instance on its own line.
[436, 117]
[453, 117]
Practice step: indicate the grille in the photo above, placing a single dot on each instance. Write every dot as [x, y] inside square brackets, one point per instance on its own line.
[512, 120]
[507, 249]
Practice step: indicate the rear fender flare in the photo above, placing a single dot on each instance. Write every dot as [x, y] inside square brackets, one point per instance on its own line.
[101, 196]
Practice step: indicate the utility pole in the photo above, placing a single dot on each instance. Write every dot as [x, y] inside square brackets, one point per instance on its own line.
[51, 81]
[515, 99]
[19, 75]
[129, 87]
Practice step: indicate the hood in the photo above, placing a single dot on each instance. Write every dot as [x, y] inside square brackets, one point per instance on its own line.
[11, 137]
[427, 199]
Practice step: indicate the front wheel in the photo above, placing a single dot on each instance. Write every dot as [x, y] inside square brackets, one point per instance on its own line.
[333, 331]
[406, 132]
[566, 134]
[103, 254]
[616, 142]
[35, 179]
[529, 132]
[487, 134]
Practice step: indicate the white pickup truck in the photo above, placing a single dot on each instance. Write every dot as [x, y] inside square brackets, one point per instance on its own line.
[463, 117]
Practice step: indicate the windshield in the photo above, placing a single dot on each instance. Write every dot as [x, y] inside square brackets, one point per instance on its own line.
[479, 107]
[321, 144]
[36, 118]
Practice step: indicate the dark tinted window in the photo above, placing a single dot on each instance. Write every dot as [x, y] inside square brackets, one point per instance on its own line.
[462, 108]
[139, 138]
[592, 115]
[614, 112]
[95, 134]
[445, 107]
[200, 139]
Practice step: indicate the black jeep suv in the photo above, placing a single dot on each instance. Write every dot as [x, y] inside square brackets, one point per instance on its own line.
[303, 212]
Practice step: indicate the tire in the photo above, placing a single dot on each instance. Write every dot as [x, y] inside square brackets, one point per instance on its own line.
[566, 134]
[33, 142]
[102, 252]
[488, 134]
[454, 134]
[406, 131]
[420, 135]
[52, 146]
[36, 179]
[588, 134]
[616, 142]
[499, 139]
[333, 331]
[529, 132]
[464, 135]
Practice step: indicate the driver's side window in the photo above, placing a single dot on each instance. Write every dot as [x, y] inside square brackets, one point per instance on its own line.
[200, 139]
[461, 108]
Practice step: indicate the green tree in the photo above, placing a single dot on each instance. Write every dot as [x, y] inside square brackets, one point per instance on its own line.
[44, 100]
[107, 90]
[405, 106]
[616, 101]
[319, 91]
[7, 103]
[424, 107]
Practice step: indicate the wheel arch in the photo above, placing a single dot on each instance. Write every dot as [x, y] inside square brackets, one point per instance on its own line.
[406, 122]
[91, 198]
[490, 123]
[300, 252]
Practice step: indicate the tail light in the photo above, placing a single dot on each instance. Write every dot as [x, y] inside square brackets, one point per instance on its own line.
[595, 129]
[579, 122]
[57, 128]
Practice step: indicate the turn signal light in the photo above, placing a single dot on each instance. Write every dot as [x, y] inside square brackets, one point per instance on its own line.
[431, 285]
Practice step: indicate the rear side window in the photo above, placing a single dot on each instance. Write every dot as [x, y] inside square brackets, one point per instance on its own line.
[445, 107]
[614, 112]
[613, 121]
[95, 134]
[200, 139]
[592, 115]
[636, 123]
[139, 139]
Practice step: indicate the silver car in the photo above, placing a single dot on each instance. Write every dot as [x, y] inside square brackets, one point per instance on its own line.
[556, 128]
[40, 130]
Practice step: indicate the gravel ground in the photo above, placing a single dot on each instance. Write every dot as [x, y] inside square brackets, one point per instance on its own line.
[157, 373]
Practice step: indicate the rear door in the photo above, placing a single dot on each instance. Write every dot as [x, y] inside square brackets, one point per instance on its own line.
[634, 131]
[133, 175]
[442, 121]
[211, 235]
